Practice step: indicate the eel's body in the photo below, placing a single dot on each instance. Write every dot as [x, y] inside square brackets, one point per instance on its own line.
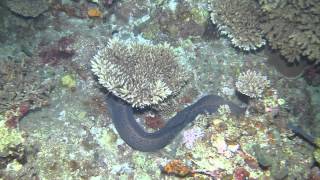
[133, 134]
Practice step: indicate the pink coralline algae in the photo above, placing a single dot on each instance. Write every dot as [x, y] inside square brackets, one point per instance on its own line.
[191, 135]
[241, 174]
[14, 115]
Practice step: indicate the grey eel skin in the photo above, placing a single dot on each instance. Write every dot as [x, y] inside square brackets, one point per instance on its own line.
[133, 134]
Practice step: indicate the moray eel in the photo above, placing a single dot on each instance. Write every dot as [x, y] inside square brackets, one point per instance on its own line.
[133, 134]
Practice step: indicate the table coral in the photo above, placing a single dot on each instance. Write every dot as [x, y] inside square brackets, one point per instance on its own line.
[140, 73]
[286, 25]
[239, 21]
[292, 27]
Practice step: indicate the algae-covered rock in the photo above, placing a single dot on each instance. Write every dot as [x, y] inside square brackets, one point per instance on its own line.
[68, 81]
[30, 8]
[316, 155]
[9, 139]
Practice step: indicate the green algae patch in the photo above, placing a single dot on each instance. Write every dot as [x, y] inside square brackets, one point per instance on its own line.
[68, 81]
[316, 155]
[108, 140]
[9, 138]
[199, 15]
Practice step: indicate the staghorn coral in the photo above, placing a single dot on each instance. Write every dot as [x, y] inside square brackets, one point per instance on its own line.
[239, 21]
[252, 83]
[292, 27]
[140, 73]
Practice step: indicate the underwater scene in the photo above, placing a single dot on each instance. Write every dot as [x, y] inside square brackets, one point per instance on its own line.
[159, 90]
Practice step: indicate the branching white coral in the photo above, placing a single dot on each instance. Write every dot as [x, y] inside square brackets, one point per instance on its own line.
[252, 84]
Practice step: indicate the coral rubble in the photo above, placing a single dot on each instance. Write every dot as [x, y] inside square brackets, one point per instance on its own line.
[142, 74]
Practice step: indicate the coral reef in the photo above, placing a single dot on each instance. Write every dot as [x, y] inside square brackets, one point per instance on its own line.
[19, 86]
[186, 19]
[74, 138]
[252, 83]
[239, 20]
[292, 32]
[292, 27]
[57, 52]
[31, 8]
[12, 148]
[142, 74]
[245, 148]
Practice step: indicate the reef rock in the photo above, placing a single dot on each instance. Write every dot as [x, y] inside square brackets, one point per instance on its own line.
[30, 8]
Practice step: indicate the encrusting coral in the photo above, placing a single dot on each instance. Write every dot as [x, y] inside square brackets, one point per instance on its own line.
[238, 20]
[293, 27]
[140, 73]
